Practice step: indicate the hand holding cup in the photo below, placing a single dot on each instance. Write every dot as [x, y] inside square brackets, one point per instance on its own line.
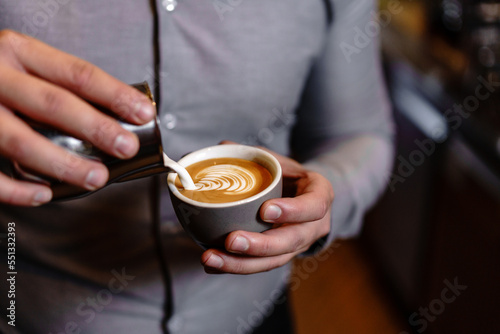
[208, 215]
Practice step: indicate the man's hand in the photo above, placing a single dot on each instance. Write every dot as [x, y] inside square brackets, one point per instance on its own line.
[52, 87]
[300, 220]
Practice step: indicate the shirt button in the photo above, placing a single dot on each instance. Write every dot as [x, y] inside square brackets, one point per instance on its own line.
[170, 121]
[169, 5]
[176, 324]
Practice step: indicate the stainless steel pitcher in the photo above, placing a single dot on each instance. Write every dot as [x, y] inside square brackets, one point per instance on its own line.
[148, 161]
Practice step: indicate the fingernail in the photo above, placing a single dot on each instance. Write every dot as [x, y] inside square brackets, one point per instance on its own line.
[96, 178]
[214, 261]
[240, 244]
[144, 111]
[124, 146]
[272, 213]
[42, 197]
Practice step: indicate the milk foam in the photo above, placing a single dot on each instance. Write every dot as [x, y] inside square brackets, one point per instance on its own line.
[222, 180]
[230, 178]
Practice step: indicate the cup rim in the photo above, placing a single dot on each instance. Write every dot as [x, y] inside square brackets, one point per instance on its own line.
[175, 191]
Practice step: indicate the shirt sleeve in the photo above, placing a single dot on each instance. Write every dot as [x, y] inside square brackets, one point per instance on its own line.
[344, 126]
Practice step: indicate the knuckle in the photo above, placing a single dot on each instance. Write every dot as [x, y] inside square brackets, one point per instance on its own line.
[109, 130]
[16, 147]
[266, 246]
[298, 242]
[10, 41]
[122, 103]
[101, 131]
[65, 168]
[51, 102]
[323, 211]
[12, 197]
[18, 196]
[60, 170]
[4, 32]
[12, 192]
[7, 35]
[238, 267]
[81, 73]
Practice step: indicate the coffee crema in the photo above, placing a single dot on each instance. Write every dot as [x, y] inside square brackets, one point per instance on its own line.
[222, 180]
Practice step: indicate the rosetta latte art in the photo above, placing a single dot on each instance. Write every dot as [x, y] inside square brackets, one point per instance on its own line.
[229, 178]
[226, 180]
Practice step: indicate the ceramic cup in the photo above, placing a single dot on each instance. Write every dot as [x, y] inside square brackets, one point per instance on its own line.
[210, 223]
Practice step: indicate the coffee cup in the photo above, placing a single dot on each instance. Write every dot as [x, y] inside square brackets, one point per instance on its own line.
[240, 190]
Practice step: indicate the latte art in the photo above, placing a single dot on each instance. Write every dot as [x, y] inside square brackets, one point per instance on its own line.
[229, 178]
[226, 180]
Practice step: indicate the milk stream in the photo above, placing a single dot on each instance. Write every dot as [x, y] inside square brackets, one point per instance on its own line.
[186, 180]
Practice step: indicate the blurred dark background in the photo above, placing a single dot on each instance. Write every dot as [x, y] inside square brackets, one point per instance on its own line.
[428, 260]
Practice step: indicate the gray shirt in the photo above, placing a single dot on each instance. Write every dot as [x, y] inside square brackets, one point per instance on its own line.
[255, 72]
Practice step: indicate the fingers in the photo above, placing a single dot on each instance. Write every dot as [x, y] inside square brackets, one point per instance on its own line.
[23, 193]
[314, 199]
[21, 144]
[83, 79]
[216, 262]
[282, 240]
[55, 88]
[300, 221]
[53, 105]
[249, 252]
